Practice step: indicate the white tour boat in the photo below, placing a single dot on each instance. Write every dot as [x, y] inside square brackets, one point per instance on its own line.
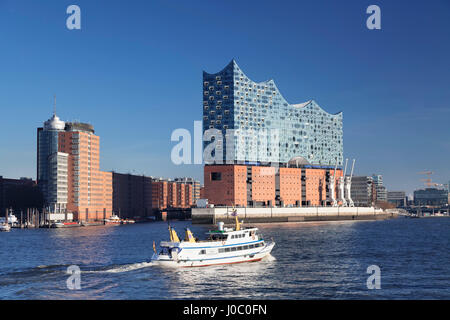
[224, 246]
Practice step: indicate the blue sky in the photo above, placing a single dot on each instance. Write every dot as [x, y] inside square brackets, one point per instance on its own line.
[134, 71]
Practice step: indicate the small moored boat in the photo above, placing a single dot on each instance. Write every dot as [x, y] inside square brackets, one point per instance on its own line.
[113, 220]
[5, 227]
[223, 246]
[65, 225]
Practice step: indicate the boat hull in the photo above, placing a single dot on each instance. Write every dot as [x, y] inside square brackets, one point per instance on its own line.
[215, 260]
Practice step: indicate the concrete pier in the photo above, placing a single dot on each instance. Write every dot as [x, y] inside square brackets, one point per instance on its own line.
[268, 215]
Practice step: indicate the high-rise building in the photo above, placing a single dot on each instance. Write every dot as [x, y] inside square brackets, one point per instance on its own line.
[266, 127]
[264, 151]
[68, 170]
[90, 190]
[47, 147]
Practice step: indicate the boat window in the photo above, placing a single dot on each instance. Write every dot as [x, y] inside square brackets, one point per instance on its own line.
[239, 248]
[218, 237]
[227, 249]
[245, 247]
[251, 246]
[233, 249]
[203, 251]
[221, 250]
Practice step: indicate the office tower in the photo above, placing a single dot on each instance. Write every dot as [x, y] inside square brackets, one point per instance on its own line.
[397, 197]
[68, 170]
[48, 163]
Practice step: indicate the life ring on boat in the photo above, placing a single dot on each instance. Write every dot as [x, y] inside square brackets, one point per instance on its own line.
[223, 242]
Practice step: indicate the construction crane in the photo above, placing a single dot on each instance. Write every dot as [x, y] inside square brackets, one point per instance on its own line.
[427, 181]
[341, 186]
[348, 186]
[331, 187]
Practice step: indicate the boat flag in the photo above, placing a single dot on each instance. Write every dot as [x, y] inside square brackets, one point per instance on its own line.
[174, 236]
[170, 233]
[189, 236]
[154, 246]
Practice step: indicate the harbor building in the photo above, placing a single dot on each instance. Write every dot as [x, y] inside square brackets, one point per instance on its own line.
[47, 145]
[430, 197]
[132, 195]
[19, 195]
[363, 191]
[172, 194]
[397, 197]
[140, 197]
[267, 152]
[381, 193]
[68, 170]
[231, 100]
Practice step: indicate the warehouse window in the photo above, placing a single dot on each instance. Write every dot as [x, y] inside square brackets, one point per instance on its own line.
[216, 176]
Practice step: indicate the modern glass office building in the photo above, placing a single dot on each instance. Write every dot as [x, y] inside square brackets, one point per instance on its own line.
[47, 145]
[263, 126]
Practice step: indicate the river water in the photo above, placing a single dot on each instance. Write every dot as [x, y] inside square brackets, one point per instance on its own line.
[326, 260]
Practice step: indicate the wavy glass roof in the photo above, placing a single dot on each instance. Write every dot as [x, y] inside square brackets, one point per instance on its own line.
[268, 128]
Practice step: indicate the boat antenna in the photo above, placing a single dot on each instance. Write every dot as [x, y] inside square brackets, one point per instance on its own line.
[54, 104]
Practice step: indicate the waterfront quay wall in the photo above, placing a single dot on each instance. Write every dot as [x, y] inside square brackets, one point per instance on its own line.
[268, 215]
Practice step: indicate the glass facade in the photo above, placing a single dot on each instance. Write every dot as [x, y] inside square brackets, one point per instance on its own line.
[47, 141]
[265, 127]
[47, 145]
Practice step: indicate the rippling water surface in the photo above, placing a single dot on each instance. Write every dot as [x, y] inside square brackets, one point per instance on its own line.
[326, 260]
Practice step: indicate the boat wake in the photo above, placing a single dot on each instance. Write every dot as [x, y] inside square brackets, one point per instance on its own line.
[122, 268]
[269, 257]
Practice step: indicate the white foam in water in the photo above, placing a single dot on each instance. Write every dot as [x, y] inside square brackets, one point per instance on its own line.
[124, 268]
[269, 257]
